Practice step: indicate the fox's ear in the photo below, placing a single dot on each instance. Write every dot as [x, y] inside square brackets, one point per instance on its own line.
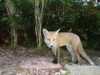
[58, 30]
[45, 32]
[56, 33]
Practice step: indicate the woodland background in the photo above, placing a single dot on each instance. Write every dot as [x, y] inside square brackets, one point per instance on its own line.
[22, 21]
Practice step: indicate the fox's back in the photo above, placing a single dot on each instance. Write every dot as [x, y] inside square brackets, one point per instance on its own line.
[68, 38]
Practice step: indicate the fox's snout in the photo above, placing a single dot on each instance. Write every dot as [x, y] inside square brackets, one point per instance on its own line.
[49, 44]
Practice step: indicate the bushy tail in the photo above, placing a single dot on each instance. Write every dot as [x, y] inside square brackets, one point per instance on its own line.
[84, 55]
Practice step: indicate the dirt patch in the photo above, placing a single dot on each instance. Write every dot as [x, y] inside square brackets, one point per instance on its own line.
[23, 61]
[39, 63]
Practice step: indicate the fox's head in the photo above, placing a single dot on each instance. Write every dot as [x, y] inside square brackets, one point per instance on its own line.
[50, 38]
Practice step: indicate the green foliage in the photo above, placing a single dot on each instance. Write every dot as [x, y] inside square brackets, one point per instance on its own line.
[13, 46]
[64, 14]
[27, 41]
[84, 20]
[61, 53]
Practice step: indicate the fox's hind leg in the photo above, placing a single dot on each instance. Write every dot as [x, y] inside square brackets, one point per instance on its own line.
[75, 48]
[78, 57]
[74, 59]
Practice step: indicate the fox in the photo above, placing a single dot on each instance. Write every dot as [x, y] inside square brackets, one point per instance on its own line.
[55, 39]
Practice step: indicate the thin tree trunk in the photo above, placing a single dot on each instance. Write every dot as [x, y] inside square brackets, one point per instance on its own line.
[13, 37]
[39, 7]
[10, 10]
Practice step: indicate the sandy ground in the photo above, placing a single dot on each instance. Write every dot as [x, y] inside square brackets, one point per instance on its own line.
[39, 62]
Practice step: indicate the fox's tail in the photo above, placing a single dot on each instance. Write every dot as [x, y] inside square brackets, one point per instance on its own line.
[84, 55]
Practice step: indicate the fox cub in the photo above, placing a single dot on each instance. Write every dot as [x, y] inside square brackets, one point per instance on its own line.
[55, 40]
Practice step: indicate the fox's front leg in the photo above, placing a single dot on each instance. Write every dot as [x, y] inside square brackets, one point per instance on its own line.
[56, 55]
[55, 59]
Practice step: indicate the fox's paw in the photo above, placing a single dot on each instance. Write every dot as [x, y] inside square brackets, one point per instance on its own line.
[55, 62]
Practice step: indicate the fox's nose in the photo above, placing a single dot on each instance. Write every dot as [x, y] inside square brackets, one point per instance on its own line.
[51, 46]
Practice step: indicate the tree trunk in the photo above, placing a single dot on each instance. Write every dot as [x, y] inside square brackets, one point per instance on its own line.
[10, 10]
[39, 7]
[13, 37]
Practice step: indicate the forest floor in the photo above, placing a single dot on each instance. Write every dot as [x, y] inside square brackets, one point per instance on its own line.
[33, 61]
